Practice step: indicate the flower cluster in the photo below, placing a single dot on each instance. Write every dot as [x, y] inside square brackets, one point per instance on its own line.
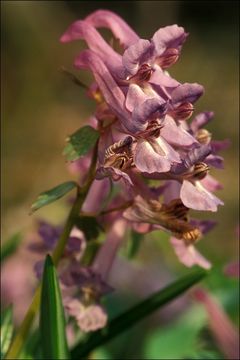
[149, 146]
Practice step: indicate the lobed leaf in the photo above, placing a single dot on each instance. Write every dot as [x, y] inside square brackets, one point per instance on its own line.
[52, 195]
[52, 319]
[80, 142]
[137, 313]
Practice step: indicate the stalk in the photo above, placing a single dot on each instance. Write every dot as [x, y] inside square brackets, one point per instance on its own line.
[22, 333]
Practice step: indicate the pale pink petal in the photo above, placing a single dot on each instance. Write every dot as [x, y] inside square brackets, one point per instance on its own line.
[92, 318]
[107, 254]
[175, 134]
[210, 183]
[97, 193]
[135, 97]
[160, 77]
[120, 29]
[188, 255]
[83, 30]
[154, 158]
[171, 36]
[197, 197]
[136, 55]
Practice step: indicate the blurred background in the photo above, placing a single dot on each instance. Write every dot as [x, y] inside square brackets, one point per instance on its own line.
[41, 107]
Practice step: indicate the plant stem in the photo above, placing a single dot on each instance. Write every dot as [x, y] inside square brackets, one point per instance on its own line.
[18, 341]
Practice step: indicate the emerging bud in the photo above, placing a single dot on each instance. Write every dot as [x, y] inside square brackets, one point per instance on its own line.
[169, 58]
[203, 136]
[198, 172]
[183, 111]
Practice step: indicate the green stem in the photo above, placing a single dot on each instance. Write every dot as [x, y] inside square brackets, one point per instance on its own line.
[19, 339]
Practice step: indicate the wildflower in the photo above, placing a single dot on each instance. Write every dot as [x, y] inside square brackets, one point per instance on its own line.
[142, 115]
[49, 235]
[89, 284]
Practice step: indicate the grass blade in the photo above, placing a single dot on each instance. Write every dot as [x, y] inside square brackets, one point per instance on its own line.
[6, 330]
[137, 313]
[52, 320]
[10, 246]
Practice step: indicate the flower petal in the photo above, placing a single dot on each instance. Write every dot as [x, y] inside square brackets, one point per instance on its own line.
[110, 20]
[211, 184]
[215, 160]
[154, 157]
[92, 318]
[197, 197]
[201, 120]
[135, 97]
[187, 93]
[175, 134]
[193, 156]
[160, 77]
[83, 30]
[171, 36]
[188, 255]
[142, 113]
[98, 192]
[112, 93]
[218, 145]
[115, 174]
[136, 55]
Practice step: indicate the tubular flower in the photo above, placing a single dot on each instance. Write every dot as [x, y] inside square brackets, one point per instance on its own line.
[143, 117]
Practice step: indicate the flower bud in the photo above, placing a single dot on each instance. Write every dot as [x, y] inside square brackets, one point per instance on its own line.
[143, 75]
[203, 136]
[183, 111]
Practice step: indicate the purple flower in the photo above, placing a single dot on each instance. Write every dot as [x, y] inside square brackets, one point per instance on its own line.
[141, 114]
[50, 234]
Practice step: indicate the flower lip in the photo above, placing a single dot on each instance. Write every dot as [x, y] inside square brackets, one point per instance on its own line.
[143, 74]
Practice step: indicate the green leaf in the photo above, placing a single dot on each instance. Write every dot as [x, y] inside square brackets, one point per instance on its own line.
[134, 243]
[6, 330]
[80, 142]
[10, 246]
[89, 225]
[52, 320]
[52, 195]
[179, 339]
[138, 312]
